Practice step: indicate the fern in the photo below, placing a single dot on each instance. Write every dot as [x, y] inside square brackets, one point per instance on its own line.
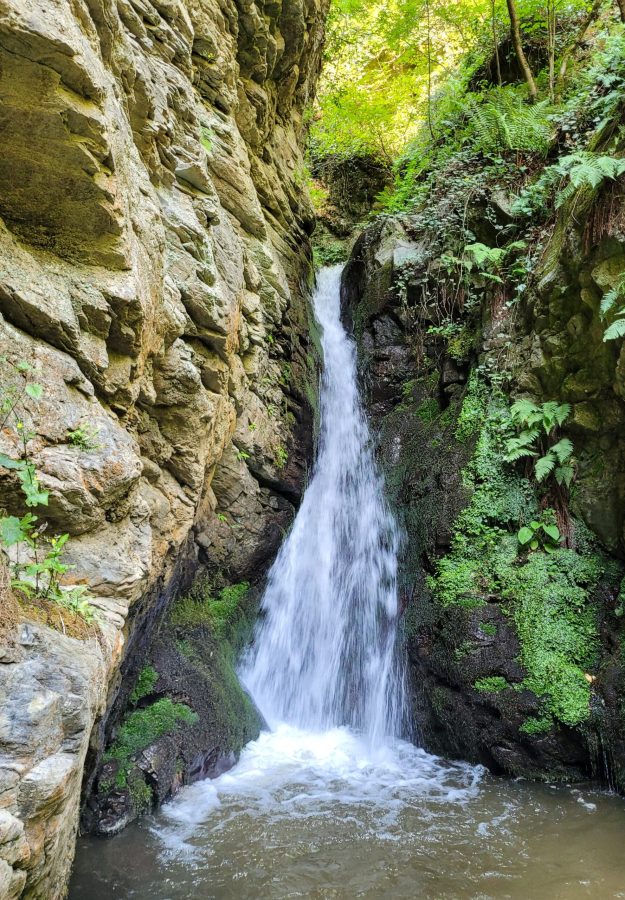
[616, 329]
[612, 305]
[562, 451]
[586, 169]
[505, 122]
[544, 467]
[534, 422]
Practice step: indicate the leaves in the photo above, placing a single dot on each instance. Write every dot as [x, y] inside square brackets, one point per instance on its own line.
[616, 329]
[11, 531]
[543, 533]
[525, 535]
[544, 467]
[34, 391]
[7, 462]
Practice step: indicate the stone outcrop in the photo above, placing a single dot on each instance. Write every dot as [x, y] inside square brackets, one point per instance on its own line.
[549, 347]
[154, 262]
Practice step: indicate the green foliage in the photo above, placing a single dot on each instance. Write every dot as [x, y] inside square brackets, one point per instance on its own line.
[536, 426]
[572, 174]
[488, 628]
[541, 534]
[557, 627]
[36, 559]
[200, 608]
[491, 685]
[546, 594]
[143, 727]
[147, 678]
[85, 437]
[612, 310]
[473, 410]
[504, 121]
[537, 725]
[280, 457]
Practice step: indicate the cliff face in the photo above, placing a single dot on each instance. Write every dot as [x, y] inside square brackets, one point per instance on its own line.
[153, 268]
[516, 657]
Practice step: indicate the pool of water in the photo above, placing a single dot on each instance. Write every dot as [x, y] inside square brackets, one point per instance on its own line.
[322, 815]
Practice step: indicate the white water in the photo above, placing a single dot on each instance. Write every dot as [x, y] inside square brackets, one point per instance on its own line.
[325, 654]
[325, 669]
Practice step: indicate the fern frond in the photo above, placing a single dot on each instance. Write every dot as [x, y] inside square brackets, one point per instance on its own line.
[544, 466]
[562, 451]
[616, 330]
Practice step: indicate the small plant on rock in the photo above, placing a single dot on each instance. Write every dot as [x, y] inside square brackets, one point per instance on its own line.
[35, 560]
[541, 534]
[85, 437]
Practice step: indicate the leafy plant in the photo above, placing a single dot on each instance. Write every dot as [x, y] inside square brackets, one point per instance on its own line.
[85, 437]
[541, 534]
[505, 121]
[36, 560]
[280, 457]
[613, 308]
[147, 678]
[535, 439]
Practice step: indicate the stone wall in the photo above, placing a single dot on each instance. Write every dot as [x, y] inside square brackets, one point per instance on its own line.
[470, 681]
[154, 261]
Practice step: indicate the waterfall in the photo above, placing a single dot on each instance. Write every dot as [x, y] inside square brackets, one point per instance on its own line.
[324, 653]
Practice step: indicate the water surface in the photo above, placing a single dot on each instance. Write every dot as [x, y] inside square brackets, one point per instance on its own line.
[322, 816]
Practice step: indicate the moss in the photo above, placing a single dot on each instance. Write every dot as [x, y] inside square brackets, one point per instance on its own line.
[474, 408]
[547, 596]
[142, 727]
[488, 628]
[536, 725]
[428, 410]
[492, 685]
[222, 613]
[140, 793]
[147, 678]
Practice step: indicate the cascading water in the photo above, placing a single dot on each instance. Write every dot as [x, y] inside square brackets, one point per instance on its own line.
[325, 653]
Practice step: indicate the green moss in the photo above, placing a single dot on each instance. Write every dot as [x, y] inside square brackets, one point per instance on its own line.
[488, 628]
[428, 411]
[537, 725]
[146, 680]
[474, 407]
[142, 727]
[140, 793]
[222, 613]
[491, 685]
[547, 596]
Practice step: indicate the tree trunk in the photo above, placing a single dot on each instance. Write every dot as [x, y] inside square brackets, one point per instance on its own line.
[621, 6]
[518, 48]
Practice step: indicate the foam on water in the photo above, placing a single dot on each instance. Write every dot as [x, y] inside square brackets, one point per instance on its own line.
[294, 773]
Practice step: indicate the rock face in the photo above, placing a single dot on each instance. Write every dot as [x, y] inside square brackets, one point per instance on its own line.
[476, 692]
[154, 260]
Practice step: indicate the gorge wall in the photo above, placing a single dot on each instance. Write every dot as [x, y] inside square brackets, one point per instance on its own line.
[154, 268]
[516, 657]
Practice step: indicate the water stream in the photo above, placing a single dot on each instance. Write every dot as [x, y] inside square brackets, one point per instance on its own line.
[331, 802]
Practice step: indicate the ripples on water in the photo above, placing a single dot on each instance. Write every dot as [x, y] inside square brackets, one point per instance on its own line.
[322, 816]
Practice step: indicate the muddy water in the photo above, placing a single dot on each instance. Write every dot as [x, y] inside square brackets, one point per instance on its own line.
[323, 816]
